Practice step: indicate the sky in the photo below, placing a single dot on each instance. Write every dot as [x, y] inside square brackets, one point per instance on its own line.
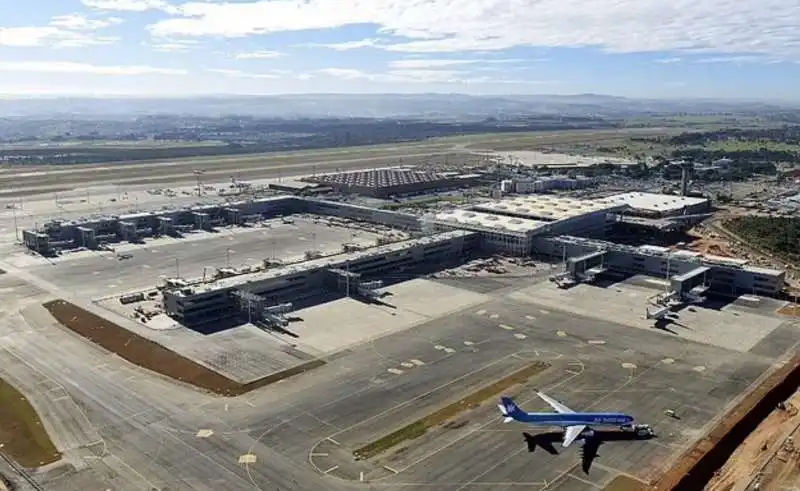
[733, 49]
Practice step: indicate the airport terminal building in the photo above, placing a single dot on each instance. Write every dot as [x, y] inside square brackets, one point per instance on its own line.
[565, 230]
[353, 274]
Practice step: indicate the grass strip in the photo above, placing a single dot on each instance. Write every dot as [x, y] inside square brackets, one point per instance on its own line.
[420, 427]
[22, 434]
[150, 355]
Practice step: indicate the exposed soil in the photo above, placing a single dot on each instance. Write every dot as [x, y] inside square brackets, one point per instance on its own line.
[791, 310]
[769, 456]
[152, 356]
[696, 468]
[625, 483]
[22, 435]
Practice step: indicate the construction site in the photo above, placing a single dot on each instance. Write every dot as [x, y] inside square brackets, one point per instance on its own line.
[304, 343]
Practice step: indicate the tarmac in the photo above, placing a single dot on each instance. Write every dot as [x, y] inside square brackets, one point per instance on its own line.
[126, 429]
[104, 274]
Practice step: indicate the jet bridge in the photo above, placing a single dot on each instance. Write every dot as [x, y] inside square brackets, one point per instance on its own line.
[587, 266]
[692, 285]
[257, 312]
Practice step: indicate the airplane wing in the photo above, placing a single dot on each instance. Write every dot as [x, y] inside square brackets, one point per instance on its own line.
[571, 434]
[557, 406]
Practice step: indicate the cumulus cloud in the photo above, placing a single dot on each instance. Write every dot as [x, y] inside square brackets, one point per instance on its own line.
[757, 27]
[86, 68]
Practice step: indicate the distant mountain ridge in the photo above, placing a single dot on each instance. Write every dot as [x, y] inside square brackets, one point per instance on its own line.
[422, 106]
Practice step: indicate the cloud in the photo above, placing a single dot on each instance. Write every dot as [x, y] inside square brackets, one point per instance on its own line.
[713, 27]
[270, 74]
[347, 45]
[420, 76]
[130, 5]
[64, 31]
[79, 22]
[27, 37]
[669, 60]
[172, 46]
[258, 55]
[737, 59]
[435, 63]
[86, 68]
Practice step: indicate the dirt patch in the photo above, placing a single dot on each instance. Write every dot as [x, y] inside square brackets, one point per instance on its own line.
[152, 356]
[768, 456]
[418, 428]
[23, 437]
[625, 483]
[697, 466]
[791, 310]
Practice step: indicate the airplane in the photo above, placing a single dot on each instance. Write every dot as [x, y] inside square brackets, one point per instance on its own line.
[575, 424]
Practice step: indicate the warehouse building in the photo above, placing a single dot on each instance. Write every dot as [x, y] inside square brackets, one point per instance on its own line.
[350, 273]
[383, 183]
[690, 273]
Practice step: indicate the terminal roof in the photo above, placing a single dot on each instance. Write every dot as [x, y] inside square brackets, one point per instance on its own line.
[336, 261]
[549, 208]
[655, 202]
[468, 218]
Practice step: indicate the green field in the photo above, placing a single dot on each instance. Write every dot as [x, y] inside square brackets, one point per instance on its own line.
[23, 437]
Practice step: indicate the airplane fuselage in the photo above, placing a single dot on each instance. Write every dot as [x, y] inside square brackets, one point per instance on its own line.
[575, 419]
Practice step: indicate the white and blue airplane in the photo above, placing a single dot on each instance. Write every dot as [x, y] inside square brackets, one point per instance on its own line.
[576, 425]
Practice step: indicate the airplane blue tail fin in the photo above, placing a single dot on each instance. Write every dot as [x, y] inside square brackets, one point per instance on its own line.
[509, 409]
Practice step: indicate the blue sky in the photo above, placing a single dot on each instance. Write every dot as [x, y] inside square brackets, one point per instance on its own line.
[638, 48]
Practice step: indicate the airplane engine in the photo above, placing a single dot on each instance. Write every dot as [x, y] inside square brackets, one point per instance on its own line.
[588, 433]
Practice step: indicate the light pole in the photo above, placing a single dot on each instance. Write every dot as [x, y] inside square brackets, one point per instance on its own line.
[16, 229]
[177, 268]
[228, 257]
